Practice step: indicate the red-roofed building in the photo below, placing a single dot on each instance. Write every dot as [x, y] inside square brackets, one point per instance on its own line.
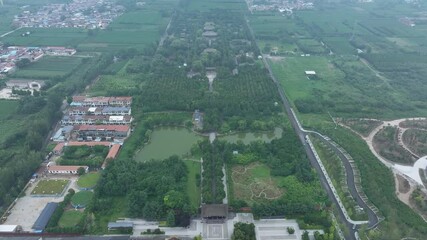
[103, 131]
[112, 154]
[120, 101]
[114, 150]
[90, 144]
[102, 101]
[58, 148]
[65, 169]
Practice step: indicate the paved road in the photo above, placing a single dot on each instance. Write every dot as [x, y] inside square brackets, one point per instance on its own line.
[301, 133]
[372, 216]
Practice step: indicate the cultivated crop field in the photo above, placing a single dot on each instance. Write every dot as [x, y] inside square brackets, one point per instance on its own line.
[386, 144]
[253, 183]
[49, 67]
[136, 29]
[67, 37]
[50, 187]
[7, 108]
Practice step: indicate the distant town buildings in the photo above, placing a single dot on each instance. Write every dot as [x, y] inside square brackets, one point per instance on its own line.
[283, 6]
[88, 14]
[10, 56]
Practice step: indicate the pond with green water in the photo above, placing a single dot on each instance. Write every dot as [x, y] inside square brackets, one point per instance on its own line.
[166, 142]
[247, 138]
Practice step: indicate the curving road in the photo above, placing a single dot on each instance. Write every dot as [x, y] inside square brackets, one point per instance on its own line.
[302, 134]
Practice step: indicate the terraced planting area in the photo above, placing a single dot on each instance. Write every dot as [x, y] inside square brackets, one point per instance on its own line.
[416, 140]
[386, 144]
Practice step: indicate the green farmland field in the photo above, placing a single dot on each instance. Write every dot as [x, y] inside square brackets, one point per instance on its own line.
[136, 29]
[9, 124]
[67, 37]
[7, 108]
[49, 67]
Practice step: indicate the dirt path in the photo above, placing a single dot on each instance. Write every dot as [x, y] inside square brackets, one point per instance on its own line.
[370, 137]
[377, 73]
[4, 35]
[410, 172]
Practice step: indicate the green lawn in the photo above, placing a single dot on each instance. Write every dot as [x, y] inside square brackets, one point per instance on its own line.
[81, 198]
[291, 74]
[192, 189]
[70, 218]
[49, 187]
[88, 180]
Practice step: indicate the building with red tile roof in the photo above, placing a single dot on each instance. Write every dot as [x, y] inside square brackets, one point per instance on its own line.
[58, 148]
[90, 144]
[112, 154]
[65, 169]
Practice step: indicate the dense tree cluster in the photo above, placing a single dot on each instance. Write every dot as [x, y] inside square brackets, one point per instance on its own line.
[244, 231]
[84, 155]
[243, 96]
[154, 190]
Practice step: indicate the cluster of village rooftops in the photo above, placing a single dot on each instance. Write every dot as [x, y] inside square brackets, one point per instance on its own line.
[93, 121]
[11, 55]
[89, 14]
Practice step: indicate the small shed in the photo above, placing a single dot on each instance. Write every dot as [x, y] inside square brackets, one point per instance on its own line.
[311, 74]
[10, 228]
[119, 225]
[44, 217]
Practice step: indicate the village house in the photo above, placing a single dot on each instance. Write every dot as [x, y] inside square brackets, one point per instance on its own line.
[91, 132]
[65, 169]
[95, 119]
